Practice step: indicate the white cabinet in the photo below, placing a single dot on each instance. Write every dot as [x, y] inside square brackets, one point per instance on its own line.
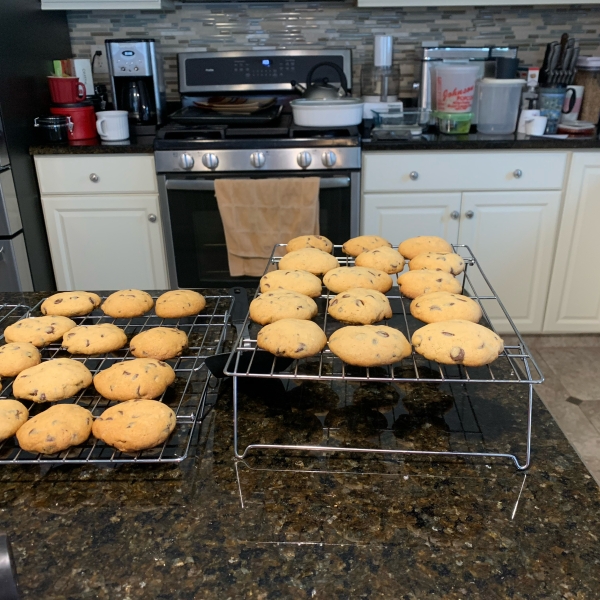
[110, 239]
[513, 201]
[574, 298]
[106, 4]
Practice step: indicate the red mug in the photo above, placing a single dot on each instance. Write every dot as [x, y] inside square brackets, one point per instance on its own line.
[66, 90]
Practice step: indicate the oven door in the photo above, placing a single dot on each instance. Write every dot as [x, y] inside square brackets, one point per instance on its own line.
[193, 231]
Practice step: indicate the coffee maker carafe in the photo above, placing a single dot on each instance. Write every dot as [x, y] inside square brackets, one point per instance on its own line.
[137, 84]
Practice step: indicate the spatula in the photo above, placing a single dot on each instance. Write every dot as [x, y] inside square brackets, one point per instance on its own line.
[262, 361]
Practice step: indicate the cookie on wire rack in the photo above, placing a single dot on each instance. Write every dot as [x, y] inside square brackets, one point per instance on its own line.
[94, 339]
[70, 304]
[281, 304]
[126, 304]
[423, 243]
[417, 283]
[161, 343]
[360, 306]
[444, 306]
[302, 282]
[294, 338]
[310, 241]
[345, 278]
[384, 259]
[363, 243]
[12, 415]
[313, 260]
[179, 303]
[17, 357]
[449, 262]
[39, 331]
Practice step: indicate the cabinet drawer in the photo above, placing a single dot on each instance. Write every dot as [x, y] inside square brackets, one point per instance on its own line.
[463, 171]
[97, 174]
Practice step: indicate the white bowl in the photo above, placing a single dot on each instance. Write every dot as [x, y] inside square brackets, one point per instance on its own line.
[342, 112]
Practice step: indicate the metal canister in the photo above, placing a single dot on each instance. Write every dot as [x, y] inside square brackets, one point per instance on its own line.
[588, 75]
[54, 129]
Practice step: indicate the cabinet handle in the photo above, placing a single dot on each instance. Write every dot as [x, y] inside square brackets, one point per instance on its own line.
[413, 175]
[469, 214]
[517, 173]
[94, 178]
[454, 214]
[152, 218]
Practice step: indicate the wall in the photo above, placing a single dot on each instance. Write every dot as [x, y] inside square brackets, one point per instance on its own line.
[226, 26]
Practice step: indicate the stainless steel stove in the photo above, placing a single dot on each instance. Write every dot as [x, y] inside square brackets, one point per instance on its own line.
[212, 137]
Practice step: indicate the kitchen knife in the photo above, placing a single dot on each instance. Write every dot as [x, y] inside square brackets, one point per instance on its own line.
[573, 65]
[262, 361]
[544, 69]
[553, 62]
[564, 70]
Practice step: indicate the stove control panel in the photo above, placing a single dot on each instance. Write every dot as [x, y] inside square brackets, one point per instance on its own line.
[279, 159]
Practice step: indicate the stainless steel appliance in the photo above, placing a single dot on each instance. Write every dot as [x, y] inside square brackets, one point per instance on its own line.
[24, 95]
[137, 83]
[429, 57]
[203, 145]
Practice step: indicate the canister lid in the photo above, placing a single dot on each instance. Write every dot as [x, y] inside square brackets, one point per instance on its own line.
[52, 120]
[81, 104]
[589, 62]
[493, 81]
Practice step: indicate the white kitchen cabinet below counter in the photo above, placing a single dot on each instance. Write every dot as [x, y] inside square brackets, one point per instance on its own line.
[109, 239]
[574, 296]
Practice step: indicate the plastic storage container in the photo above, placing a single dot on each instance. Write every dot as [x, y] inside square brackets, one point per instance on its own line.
[499, 101]
[454, 123]
[588, 75]
[455, 87]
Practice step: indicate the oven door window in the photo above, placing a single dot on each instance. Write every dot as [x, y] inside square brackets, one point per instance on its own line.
[199, 240]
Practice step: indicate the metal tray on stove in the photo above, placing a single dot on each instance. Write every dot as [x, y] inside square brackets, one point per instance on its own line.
[194, 115]
[206, 333]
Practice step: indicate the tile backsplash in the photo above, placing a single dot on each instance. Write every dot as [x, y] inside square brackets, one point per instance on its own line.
[230, 25]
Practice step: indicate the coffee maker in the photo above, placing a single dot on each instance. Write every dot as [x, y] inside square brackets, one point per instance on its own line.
[137, 84]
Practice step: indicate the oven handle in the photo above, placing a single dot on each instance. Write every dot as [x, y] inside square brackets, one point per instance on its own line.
[209, 184]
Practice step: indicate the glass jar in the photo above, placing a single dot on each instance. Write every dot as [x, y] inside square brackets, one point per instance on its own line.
[54, 129]
[588, 75]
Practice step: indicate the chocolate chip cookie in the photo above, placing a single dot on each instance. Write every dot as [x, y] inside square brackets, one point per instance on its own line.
[302, 282]
[458, 342]
[17, 357]
[135, 425]
[423, 243]
[313, 260]
[52, 380]
[345, 278]
[281, 304]
[369, 345]
[310, 241]
[126, 304]
[384, 259]
[137, 378]
[444, 306]
[39, 331]
[417, 283]
[294, 338]
[94, 339]
[363, 243]
[449, 262]
[56, 429]
[12, 415]
[360, 306]
[160, 343]
[179, 303]
[71, 304]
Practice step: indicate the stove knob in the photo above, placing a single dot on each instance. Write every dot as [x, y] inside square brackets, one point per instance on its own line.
[186, 161]
[210, 161]
[328, 158]
[304, 159]
[257, 159]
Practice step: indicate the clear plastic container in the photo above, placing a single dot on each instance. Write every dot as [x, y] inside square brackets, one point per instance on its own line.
[588, 75]
[499, 101]
[454, 123]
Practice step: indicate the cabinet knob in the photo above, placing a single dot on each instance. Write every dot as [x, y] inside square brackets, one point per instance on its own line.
[94, 178]
[454, 214]
[152, 218]
[517, 173]
[469, 214]
[413, 175]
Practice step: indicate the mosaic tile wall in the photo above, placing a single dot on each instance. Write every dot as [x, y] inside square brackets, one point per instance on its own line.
[227, 26]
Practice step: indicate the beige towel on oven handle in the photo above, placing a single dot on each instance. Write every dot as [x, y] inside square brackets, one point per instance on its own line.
[259, 213]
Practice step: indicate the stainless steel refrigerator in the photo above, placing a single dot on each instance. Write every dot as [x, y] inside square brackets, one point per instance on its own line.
[29, 40]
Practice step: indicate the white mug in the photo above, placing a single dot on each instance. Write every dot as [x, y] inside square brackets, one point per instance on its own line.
[526, 115]
[574, 114]
[112, 125]
[536, 125]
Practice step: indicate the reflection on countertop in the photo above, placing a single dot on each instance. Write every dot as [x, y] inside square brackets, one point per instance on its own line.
[295, 525]
[95, 146]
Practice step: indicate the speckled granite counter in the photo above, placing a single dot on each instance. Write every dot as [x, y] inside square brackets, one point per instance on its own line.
[298, 526]
[479, 141]
[94, 147]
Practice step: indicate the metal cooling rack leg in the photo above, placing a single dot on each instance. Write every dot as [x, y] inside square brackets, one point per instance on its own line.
[235, 418]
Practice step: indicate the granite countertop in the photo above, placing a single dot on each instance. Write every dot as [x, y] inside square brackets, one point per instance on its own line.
[94, 147]
[291, 525]
[479, 141]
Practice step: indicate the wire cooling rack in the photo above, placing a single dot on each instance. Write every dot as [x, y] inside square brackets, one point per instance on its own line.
[206, 333]
[515, 365]
[11, 313]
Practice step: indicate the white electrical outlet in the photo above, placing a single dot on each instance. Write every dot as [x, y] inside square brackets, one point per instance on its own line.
[100, 62]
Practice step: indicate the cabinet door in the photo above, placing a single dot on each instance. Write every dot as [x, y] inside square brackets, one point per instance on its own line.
[397, 217]
[512, 236]
[574, 297]
[106, 242]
